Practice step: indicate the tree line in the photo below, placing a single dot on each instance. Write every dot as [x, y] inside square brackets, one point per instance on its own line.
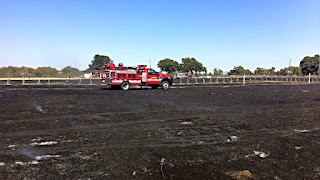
[12, 71]
[191, 65]
[188, 65]
[68, 71]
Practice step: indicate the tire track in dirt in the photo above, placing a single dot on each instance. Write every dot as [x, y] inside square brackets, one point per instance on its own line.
[85, 115]
[98, 126]
[112, 124]
[316, 104]
[168, 143]
[70, 128]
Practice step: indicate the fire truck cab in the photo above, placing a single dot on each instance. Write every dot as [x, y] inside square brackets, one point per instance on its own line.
[124, 77]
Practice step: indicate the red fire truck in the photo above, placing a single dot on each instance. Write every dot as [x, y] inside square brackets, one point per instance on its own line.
[124, 77]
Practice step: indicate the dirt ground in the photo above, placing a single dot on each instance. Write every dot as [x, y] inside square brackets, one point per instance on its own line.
[82, 132]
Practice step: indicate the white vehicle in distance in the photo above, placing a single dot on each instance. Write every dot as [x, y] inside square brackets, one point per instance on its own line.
[183, 75]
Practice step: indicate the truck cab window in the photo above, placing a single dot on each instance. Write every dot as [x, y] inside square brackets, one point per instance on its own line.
[152, 72]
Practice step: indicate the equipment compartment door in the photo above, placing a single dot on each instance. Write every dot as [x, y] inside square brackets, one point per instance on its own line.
[144, 77]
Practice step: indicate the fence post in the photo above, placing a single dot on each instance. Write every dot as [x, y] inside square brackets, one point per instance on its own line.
[90, 81]
[217, 79]
[39, 80]
[22, 80]
[79, 80]
[196, 80]
[309, 78]
[244, 79]
[203, 81]
[8, 81]
[48, 81]
[231, 80]
[180, 80]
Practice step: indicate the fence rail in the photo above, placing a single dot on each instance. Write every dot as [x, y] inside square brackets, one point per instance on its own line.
[243, 80]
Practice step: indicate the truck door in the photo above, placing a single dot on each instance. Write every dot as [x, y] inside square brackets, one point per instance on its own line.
[153, 77]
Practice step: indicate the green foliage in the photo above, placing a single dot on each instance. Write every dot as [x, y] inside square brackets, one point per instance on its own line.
[290, 71]
[191, 65]
[12, 71]
[263, 71]
[217, 72]
[272, 71]
[239, 70]
[260, 71]
[71, 71]
[168, 65]
[310, 65]
[99, 61]
[46, 72]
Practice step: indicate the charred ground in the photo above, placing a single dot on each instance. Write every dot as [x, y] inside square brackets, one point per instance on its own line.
[70, 132]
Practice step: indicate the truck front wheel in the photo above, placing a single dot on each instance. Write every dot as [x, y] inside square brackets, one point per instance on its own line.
[165, 85]
[125, 86]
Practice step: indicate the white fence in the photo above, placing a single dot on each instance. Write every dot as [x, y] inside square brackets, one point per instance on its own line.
[228, 79]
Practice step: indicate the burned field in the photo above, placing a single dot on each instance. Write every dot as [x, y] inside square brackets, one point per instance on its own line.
[72, 132]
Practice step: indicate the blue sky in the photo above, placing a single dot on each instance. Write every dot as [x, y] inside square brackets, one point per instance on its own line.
[220, 34]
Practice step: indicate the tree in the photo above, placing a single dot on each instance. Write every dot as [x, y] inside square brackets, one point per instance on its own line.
[239, 70]
[310, 65]
[71, 71]
[99, 61]
[217, 72]
[263, 71]
[191, 65]
[168, 65]
[272, 71]
[9, 71]
[46, 72]
[290, 71]
[260, 71]
[12, 71]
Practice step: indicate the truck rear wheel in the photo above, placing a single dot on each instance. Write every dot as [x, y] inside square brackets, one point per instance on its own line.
[125, 86]
[165, 85]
